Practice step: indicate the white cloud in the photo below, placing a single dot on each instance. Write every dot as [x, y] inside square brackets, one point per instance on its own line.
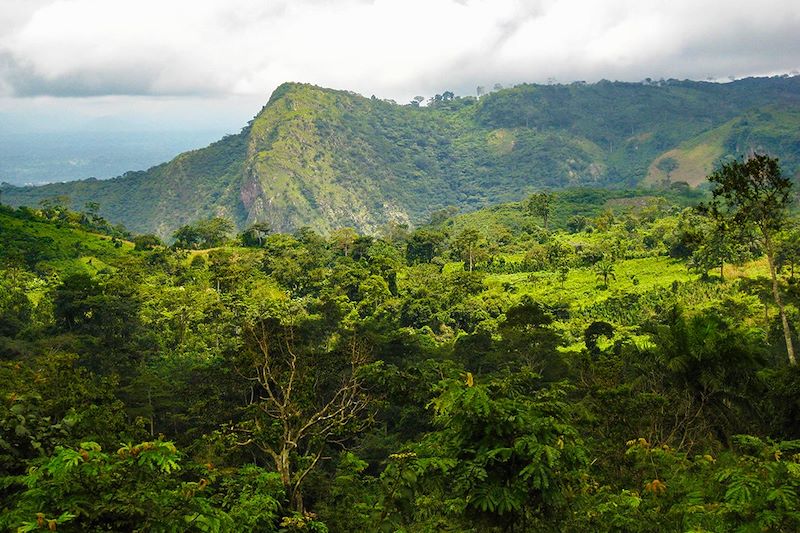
[391, 48]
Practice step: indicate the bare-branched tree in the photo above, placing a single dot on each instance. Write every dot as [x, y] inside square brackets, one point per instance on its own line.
[305, 401]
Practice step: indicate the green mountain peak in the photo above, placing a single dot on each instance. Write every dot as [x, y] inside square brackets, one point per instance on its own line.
[329, 158]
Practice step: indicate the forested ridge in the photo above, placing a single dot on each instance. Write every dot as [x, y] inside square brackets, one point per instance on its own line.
[328, 158]
[579, 360]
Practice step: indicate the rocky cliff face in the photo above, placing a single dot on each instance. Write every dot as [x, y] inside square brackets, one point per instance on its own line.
[290, 172]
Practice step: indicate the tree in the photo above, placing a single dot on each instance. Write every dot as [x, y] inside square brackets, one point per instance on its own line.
[73, 299]
[605, 269]
[540, 204]
[256, 233]
[145, 242]
[92, 208]
[440, 216]
[707, 364]
[361, 247]
[753, 193]
[592, 334]
[788, 250]
[16, 309]
[394, 232]
[91, 216]
[214, 231]
[577, 223]
[558, 254]
[667, 165]
[720, 245]
[528, 337]
[501, 455]
[307, 396]
[138, 488]
[687, 237]
[55, 207]
[467, 244]
[563, 274]
[423, 245]
[206, 233]
[343, 239]
[186, 237]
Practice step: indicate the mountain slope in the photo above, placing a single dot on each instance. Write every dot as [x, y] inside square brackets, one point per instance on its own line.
[772, 129]
[326, 158]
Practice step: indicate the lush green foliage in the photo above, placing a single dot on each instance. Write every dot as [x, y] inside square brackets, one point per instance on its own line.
[482, 373]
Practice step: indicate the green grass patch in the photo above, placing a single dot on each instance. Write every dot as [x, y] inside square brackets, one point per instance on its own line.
[583, 287]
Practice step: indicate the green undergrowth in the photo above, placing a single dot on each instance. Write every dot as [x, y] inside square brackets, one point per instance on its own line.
[58, 248]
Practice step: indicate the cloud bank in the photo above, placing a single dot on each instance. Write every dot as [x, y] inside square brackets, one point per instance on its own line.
[391, 48]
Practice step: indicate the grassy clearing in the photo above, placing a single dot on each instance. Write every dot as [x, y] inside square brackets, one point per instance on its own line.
[583, 286]
[695, 158]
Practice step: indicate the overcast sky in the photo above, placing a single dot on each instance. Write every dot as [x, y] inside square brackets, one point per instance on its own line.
[194, 63]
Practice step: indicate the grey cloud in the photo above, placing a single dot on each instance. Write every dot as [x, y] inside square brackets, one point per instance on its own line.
[237, 36]
[732, 46]
[20, 79]
[509, 27]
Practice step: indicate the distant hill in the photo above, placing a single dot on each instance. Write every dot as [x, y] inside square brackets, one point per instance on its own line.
[327, 158]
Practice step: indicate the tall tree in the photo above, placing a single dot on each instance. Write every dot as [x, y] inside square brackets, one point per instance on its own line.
[540, 204]
[467, 244]
[753, 193]
[206, 233]
[214, 231]
[423, 245]
[343, 238]
[307, 395]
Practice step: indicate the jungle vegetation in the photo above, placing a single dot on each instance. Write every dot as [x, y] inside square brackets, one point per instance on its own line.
[578, 361]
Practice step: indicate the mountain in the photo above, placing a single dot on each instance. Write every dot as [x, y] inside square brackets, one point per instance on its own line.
[327, 158]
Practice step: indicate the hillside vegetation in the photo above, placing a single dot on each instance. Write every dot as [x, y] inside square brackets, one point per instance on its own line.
[323, 158]
[57, 246]
[768, 130]
[591, 360]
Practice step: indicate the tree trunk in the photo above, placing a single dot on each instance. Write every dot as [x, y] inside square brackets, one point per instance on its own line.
[152, 412]
[283, 466]
[787, 333]
[297, 501]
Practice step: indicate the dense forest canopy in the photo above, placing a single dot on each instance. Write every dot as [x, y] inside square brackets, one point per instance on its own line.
[326, 159]
[579, 360]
